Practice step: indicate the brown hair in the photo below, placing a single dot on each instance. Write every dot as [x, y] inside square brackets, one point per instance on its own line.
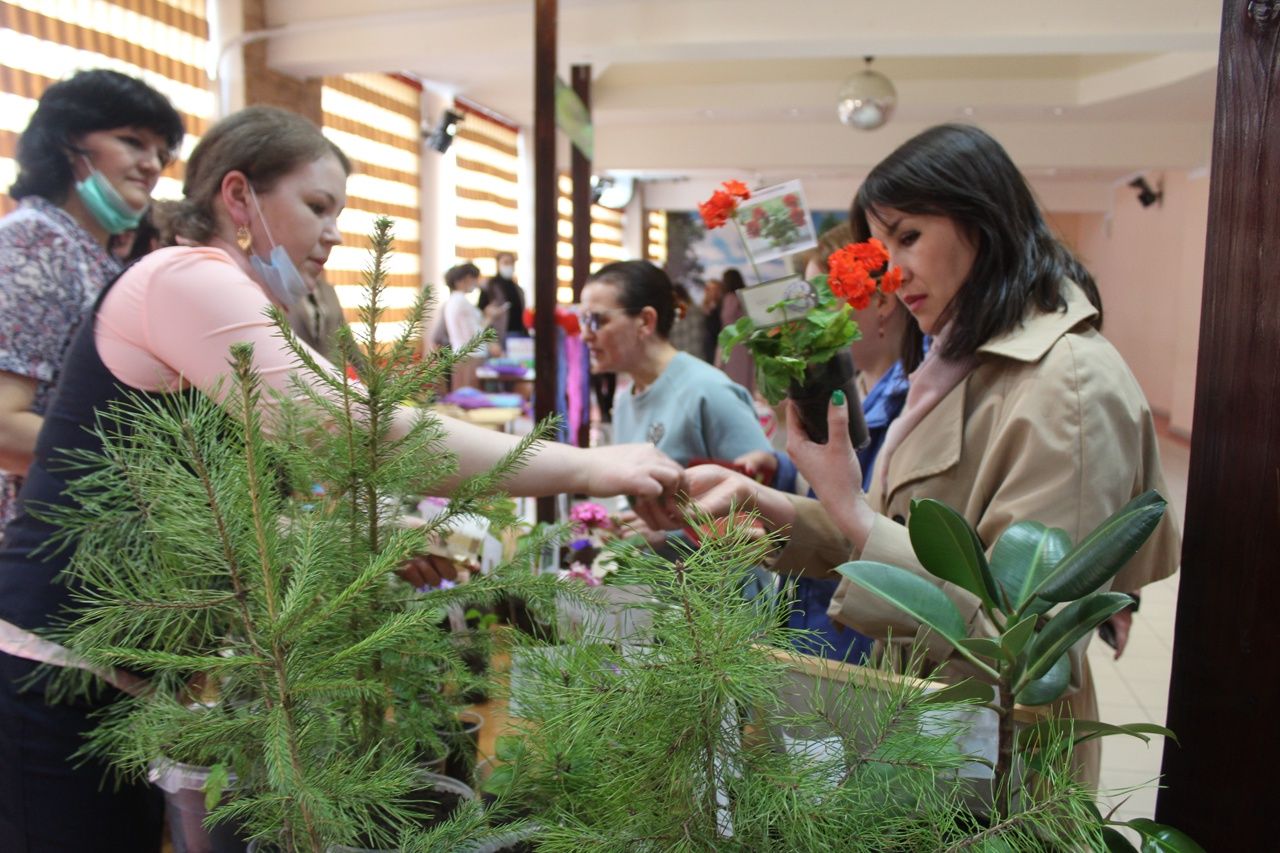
[265, 143]
[832, 240]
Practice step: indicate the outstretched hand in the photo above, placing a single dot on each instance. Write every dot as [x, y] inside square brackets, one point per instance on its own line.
[718, 492]
[642, 472]
[427, 570]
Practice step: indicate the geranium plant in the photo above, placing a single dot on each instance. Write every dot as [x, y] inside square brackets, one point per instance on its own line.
[814, 328]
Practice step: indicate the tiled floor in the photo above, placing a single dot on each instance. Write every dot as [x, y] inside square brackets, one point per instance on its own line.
[1136, 687]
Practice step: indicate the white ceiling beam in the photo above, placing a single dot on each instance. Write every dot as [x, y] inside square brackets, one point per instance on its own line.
[802, 147]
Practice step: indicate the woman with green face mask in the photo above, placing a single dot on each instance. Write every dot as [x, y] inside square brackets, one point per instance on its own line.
[87, 163]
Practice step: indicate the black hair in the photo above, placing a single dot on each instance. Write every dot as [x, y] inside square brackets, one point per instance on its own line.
[960, 172]
[454, 275]
[732, 280]
[98, 99]
[641, 285]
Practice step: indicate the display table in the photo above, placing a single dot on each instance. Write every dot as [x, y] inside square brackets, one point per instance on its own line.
[496, 418]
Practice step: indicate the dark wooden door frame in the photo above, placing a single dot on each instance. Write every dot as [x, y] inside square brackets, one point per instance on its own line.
[1224, 691]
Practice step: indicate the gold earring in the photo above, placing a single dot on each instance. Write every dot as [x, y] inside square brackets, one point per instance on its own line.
[243, 238]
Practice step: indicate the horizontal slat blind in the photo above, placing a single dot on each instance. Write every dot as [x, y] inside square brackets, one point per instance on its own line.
[376, 120]
[164, 42]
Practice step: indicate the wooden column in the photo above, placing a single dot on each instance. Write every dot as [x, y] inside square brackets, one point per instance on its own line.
[1224, 690]
[545, 219]
[580, 174]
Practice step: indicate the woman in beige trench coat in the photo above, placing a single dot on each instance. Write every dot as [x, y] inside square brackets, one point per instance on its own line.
[1022, 411]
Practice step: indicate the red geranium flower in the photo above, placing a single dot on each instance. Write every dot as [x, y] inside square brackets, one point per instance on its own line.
[797, 216]
[891, 281]
[790, 199]
[872, 254]
[737, 189]
[853, 272]
[718, 209]
[753, 229]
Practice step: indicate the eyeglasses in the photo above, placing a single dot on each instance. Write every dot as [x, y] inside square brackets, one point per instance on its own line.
[591, 321]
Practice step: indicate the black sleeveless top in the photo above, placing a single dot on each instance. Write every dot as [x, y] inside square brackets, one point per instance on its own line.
[30, 597]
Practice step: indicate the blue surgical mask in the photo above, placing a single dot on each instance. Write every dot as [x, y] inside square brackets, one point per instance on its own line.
[278, 272]
[105, 204]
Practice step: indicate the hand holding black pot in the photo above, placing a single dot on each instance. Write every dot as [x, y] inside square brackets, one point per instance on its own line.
[832, 469]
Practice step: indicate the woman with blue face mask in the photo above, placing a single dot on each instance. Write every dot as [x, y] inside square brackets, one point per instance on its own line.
[87, 163]
[263, 191]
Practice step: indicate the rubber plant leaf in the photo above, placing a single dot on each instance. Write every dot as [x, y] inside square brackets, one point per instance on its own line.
[1049, 686]
[1161, 838]
[1102, 553]
[1067, 627]
[1023, 556]
[949, 548]
[910, 593]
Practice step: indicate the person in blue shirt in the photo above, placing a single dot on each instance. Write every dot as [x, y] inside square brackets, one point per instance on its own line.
[688, 409]
[891, 347]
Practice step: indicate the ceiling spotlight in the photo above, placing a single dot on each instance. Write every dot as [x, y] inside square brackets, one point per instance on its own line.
[867, 100]
[1146, 195]
[446, 128]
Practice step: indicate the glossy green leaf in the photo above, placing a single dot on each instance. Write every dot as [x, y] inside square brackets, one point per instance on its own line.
[1049, 686]
[969, 690]
[987, 648]
[1138, 730]
[948, 547]
[1089, 729]
[1023, 556]
[1067, 627]
[910, 593]
[1102, 553]
[1015, 638]
[1116, 843]
[1161, 838]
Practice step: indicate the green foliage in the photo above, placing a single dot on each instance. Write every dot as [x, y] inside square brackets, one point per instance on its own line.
[677, 744]
[278, 644]
[1032, 568]
[783, 352]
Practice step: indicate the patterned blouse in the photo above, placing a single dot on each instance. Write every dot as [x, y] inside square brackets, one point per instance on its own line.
[51, 271]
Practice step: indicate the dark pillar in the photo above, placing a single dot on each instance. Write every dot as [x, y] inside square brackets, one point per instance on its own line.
[580, 174]
[1224, 691]
[545, 218]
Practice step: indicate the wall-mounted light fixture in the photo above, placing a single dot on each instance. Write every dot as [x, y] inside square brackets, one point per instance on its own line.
[1146, 195]
[446, 128]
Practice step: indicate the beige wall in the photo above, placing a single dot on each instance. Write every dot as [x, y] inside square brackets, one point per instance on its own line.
[1149, 264]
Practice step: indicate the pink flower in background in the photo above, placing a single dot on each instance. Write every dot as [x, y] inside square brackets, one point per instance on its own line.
[582, 572]
[590, 516]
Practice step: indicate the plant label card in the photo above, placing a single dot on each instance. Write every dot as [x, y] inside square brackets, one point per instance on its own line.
[776, 222]
[775, 302]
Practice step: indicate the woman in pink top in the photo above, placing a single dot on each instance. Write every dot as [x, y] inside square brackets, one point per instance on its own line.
[263, 192]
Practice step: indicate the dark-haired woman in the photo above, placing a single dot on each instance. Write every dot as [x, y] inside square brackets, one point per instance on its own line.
[87, 163]
[1021, 411]
[687, 408]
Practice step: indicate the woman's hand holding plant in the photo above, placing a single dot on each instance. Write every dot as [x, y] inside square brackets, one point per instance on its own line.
[833, 470]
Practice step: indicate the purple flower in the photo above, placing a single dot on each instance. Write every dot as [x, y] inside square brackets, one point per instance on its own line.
[579, 544]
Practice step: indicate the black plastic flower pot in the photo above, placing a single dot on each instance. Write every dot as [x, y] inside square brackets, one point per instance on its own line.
[813, 399]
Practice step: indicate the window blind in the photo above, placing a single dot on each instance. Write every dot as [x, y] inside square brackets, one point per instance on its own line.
[164, 42]
[376, 120]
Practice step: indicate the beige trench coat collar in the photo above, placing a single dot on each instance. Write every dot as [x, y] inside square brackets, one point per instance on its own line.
[916, 460]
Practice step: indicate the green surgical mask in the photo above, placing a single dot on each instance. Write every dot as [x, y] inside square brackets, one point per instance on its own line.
[105, 203]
